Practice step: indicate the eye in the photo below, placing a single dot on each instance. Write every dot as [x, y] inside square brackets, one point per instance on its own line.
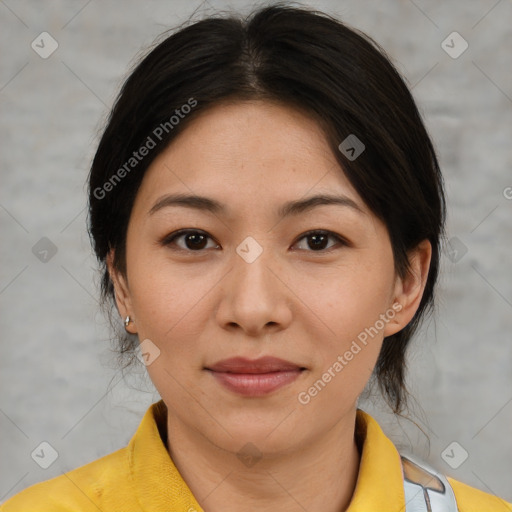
[318, 239]
[194, 240]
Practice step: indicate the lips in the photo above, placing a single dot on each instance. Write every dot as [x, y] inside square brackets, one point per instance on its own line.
[261, 365]
[254, 377]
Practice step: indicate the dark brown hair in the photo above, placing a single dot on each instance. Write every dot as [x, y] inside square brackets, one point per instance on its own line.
[310, 61]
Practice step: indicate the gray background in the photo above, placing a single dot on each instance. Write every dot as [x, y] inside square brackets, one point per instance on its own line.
[59, 382]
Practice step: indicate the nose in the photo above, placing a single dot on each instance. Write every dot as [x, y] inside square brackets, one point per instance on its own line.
[254, 296]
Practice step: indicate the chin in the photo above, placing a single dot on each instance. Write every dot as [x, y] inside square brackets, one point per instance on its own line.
[267, 432]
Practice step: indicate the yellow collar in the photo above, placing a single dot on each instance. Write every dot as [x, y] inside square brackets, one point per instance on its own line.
[159, 485]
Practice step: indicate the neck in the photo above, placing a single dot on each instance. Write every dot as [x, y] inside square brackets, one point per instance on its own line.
[318, 476]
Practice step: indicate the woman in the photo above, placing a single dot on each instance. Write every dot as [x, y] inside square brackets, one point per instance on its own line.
[267, 209]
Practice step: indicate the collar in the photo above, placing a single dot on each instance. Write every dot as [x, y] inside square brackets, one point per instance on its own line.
[159, 485]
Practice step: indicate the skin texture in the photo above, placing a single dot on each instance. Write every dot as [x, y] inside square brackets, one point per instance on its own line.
[294, 302]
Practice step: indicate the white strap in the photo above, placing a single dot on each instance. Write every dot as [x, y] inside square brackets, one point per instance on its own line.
[426, 490]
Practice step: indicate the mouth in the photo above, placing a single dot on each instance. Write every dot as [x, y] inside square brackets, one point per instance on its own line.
[257, 377]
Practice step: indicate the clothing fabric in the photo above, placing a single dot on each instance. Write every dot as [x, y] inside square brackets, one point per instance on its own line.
[142, 477]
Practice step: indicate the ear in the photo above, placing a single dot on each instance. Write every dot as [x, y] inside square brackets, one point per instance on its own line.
[122, 292]
[409, 289]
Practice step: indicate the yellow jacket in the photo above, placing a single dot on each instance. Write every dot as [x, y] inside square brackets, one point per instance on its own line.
[142, 477]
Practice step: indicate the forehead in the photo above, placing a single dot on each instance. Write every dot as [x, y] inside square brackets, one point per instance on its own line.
[239, 151]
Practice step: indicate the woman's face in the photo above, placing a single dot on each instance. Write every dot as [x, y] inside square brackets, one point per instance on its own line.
[249, 282]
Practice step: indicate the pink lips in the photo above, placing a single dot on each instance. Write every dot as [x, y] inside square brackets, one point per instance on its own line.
[255, 377]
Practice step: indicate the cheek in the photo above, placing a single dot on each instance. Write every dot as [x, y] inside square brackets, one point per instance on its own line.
[172, 304]
[350, 298]
[351, 303]
[165, 302]
[157, 296]
[345, 360]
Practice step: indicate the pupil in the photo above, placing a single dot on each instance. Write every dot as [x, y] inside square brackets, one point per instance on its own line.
[196, 237]
[317, 239]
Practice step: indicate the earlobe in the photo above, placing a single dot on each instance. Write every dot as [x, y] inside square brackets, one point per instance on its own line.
[122, 294]
[409, 288]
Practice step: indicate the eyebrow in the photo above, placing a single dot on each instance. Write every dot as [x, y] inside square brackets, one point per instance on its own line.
[288, 209]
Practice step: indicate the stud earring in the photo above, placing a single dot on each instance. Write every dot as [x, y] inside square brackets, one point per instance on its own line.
[127, 321]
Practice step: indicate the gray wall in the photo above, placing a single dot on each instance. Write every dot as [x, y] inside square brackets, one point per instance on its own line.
[58, 378]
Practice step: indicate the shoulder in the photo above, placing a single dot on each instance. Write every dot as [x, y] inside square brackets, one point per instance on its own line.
[86, 488]
[470, 499]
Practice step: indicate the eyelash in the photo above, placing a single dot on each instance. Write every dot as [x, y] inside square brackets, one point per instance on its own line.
[170, 239]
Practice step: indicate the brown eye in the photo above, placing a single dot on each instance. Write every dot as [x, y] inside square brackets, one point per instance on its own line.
[318, 240]
[197, 241]
[193, 240]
